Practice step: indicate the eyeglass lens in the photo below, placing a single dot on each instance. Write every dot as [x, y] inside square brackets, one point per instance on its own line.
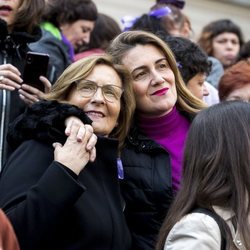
[110, 92]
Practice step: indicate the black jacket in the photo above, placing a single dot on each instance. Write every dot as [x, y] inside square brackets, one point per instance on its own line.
[146, 188]
[48, 205]
[13, 49]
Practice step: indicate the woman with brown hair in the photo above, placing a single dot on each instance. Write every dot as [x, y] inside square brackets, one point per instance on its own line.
[215, 181]
[152, 156]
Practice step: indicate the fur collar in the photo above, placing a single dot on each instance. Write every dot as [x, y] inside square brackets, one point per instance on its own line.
[43, 121]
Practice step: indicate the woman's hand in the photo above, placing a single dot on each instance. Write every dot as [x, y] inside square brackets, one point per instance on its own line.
[10, 77]
[31, 94]
[75, 154]
[72, 121]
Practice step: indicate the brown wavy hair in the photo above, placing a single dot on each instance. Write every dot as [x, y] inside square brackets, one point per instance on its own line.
[129, 39]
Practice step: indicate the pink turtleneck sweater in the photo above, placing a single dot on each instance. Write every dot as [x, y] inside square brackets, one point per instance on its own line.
[170, 132]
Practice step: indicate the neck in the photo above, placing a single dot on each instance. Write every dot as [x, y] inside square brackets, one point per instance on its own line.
[150, 116]
[155, 127]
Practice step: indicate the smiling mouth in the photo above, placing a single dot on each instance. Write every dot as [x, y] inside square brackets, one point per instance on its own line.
[5, 8]
[160, 92]
[94, 114]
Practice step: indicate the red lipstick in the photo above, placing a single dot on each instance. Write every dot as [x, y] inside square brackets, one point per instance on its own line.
[160, 92]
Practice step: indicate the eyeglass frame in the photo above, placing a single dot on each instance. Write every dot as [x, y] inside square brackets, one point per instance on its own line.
[78, 82]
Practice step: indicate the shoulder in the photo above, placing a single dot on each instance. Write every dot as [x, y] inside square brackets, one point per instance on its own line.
[194, 231]
[53, 46]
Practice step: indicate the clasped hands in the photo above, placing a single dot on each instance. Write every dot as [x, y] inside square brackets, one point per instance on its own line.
[79, 147]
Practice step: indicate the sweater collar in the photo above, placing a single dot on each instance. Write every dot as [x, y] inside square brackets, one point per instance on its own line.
[160, 126]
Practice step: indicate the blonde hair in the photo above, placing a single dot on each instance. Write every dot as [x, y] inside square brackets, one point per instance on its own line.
[80, 70]
[124, 42]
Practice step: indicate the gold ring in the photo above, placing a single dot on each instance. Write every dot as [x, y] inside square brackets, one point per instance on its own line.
[1, 77]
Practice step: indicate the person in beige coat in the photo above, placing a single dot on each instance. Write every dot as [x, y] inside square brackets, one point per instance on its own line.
[216, 178]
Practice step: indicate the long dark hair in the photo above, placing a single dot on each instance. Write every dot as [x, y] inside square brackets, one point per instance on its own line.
[216, 168]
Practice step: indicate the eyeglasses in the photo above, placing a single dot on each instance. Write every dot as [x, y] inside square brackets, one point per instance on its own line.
[87, 88]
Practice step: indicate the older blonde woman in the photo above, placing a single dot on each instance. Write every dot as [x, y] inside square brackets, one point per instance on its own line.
[65, 198]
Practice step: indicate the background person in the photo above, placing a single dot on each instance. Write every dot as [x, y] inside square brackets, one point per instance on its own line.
[192, 63]
[216, 177]
[222, 39]
[106, 29]
[68, 201]
[18, 27]
[67, 26]
[235, 82]
[176, 23]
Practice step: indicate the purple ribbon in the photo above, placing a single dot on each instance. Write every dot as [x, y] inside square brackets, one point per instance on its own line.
[178, 3]
[179, 66]
[120, 169]
[128, 22]
[159, 13]
[69, 45]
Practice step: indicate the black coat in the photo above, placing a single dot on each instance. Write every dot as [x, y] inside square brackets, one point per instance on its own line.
[13, 49]
[146, 188]
[48, 205]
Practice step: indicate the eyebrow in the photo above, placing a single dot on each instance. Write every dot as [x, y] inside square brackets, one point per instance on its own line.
[143, 66]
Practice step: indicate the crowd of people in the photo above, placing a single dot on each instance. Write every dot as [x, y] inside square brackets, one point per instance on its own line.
[140, 139]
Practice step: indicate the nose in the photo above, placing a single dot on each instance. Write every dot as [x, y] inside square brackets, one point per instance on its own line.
[205, 90]
[86, 37]
[156, 78]
[98, 96]
[229, 45]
